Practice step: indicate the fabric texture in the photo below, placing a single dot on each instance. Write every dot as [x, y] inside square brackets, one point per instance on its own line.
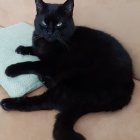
[10, 38]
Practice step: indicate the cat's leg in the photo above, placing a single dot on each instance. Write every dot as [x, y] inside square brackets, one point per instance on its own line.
[28, 50]
[63, 128]
[35, 103]
[24, 68]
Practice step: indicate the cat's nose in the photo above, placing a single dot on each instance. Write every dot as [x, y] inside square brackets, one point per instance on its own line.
[49, 32]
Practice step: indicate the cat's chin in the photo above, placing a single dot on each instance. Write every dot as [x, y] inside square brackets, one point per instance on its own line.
[49, 39]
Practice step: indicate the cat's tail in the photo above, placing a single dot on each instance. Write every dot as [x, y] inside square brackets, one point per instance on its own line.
[63, 128]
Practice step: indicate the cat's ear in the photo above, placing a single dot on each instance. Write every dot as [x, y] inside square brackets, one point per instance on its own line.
[68, 7]
[39, 5]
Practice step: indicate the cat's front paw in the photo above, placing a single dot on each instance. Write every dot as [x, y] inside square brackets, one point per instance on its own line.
[11, 71]
[7, 104]
[20, 50]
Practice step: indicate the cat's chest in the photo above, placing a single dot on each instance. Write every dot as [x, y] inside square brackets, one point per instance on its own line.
[41, 47]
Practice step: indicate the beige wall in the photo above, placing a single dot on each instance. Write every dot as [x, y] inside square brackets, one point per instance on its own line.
[121, 18]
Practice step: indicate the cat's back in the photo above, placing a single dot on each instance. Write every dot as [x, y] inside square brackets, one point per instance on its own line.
[95, 40]
[86, 34]
[100, 48]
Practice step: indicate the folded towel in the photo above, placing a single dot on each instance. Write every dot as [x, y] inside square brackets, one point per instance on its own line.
[10, 38]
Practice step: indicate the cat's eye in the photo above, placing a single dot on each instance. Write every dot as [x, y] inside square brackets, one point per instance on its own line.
[44, 23]
[59, 24]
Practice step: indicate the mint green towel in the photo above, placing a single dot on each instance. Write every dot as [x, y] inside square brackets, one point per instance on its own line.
[10, 38]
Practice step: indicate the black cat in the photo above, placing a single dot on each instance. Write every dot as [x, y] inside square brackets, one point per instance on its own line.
[85, 70]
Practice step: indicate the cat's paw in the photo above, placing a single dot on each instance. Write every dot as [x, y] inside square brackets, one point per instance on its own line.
[18, 104]
[7, 104]
[20, 50]
[11, 71]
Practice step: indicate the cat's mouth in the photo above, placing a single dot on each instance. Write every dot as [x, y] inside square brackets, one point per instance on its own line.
[50, 39]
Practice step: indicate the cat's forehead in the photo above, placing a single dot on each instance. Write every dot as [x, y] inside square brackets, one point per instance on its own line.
[52, 9]
[51, 12]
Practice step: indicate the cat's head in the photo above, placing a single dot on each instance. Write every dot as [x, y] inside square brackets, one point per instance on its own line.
[54, 21]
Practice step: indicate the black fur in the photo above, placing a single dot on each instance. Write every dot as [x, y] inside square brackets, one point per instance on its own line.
[85, 70]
